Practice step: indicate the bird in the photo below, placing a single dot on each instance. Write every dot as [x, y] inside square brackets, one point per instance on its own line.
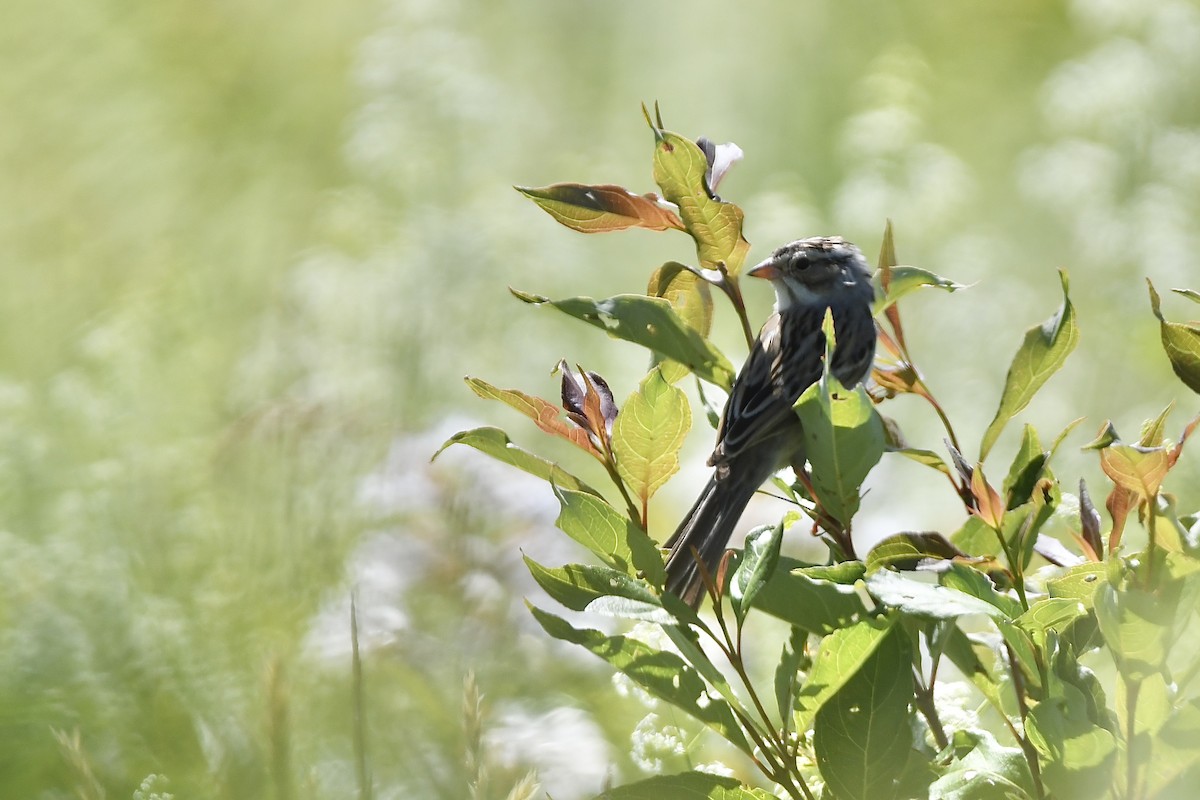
[759, 432]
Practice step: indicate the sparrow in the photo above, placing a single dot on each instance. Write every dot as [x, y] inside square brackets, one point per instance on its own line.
[759, 432]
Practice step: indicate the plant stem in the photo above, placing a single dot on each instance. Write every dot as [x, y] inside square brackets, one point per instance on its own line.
[1031, 755]
[1132, 688]
[924, 700]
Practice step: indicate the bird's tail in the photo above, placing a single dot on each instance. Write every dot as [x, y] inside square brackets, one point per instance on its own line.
[703, 535]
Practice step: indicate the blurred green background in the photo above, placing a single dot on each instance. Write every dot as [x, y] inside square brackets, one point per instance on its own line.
[250, 248]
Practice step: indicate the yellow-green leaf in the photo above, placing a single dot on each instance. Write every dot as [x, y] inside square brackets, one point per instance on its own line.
[679, 168]
[691, 297]
[1043, 353]
[1180, 341]
[648, 434]
[496, 444]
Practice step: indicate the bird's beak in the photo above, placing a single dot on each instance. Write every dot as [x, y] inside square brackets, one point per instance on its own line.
[764, 269]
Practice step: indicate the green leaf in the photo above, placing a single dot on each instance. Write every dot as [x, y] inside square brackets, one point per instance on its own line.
[861, 734]
[1175, 767]
[679, 168]
[650, 322]
[1137, 627]
[988, 772]
[1051, 614]
[1026, 469]
[1079, 583]
[905, 280]
[787, 674]
[926, 599]
[685, 786]
[601, 208]
[843, 653]
[844, 439]
[907, 550]
[1181, 342]
[586, 587]
[599, 527]
[648, 433]
[926, 457]
[691, 297]
[976, 539]
[811, 598]
[1043, 352]
[544, 414]
[760, 556]
[496, 444]
[1077, 755]
[662, 674]
[974, 583]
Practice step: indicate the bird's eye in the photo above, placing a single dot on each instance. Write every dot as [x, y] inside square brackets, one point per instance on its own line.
[800, 263]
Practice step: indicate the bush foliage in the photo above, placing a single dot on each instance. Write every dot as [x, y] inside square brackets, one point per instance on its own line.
[1081, 646]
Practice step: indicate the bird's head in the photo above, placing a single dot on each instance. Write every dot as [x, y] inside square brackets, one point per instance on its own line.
[812, 271]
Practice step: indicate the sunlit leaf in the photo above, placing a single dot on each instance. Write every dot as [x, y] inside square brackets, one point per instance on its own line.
[1138, 469]
[662, 674]
[615, 539]
[1137, 627]
[1077, 755]
[813, 598]
[685, 786]
[759, 559]
[926, 457]
[691, 297]
[1175, 768]
[544, 414]
[1042, 353]
[969, 581]
[925, 599]
[844, 439]
[1181, 343]
[496, 444]
[860, 734]
[988, 504]
[987, 772]
[679, 170]
[583, 587]
[1079, 583]
[842, 654]
[905, 280]
[651, 323]
[601, 208]
[648, 434]
[905, 551]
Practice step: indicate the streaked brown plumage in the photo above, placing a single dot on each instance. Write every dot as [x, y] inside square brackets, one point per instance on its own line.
[759, 431]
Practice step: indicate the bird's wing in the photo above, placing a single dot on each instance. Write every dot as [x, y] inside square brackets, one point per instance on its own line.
[760, 404]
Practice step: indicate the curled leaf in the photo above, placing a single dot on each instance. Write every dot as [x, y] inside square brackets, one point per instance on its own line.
[587, 400]
[1180, 341]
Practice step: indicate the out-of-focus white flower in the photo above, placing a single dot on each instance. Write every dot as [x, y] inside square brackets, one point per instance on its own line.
[565, 745]
[652, 741]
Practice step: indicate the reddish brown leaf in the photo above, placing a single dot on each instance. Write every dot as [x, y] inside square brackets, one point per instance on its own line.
[543, 413]
[602, 208]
